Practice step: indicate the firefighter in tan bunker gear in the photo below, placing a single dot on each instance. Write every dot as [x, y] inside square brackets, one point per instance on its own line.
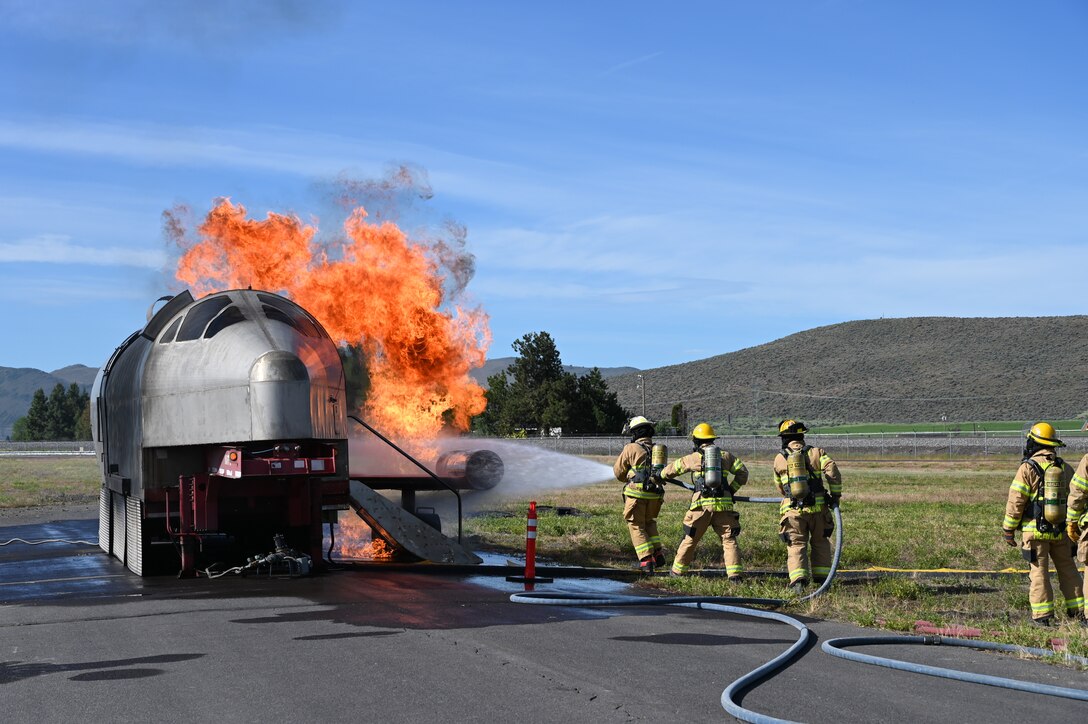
[643, 494]
[805, 519]
[1042, 523]
[711, 501]
[1077, 518]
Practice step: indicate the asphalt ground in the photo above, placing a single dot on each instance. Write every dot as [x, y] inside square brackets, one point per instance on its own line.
[83, 640]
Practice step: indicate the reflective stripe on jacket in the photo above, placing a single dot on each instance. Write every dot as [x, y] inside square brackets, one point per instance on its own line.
[633, 467]
[1078, 494]
[821, 467]
[693, 463]
[1025, 490]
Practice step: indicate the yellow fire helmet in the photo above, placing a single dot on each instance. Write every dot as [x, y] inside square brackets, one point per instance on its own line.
[791, 427]
[1044, 434]
[703, 431]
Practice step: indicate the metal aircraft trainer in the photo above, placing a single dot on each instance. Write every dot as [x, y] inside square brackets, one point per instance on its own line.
[221, 425]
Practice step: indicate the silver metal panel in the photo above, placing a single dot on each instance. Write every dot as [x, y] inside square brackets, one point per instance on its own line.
[258, 379]
[115, 410]
[134, 535]
[104, 519]
[246, 383]
[279, 401]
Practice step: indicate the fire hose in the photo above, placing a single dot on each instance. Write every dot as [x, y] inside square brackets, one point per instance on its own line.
[835, 647]
[723, 604]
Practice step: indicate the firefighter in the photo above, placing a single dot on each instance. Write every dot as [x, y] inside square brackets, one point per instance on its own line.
[643, 494]
[711, 501]
[1043, 539]
[1077, 519]
[811, 485]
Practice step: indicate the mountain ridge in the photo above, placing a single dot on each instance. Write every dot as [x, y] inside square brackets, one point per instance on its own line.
[18, 384]
[913, 369]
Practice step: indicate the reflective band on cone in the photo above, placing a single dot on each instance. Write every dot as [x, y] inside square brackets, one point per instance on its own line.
[530, 547]
[530, 553]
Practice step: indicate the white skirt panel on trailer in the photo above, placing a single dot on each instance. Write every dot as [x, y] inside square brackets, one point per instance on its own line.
[104, 519]
[117, 525]
[134, 535]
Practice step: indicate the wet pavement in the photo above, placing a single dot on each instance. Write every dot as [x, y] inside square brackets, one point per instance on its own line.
[83, 640]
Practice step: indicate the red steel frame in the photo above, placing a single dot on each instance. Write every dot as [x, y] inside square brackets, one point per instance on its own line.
[298, 479]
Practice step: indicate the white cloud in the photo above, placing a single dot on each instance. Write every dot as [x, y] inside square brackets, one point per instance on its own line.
[187, 147]
[67, 293]
[629, 63]
[58, 249]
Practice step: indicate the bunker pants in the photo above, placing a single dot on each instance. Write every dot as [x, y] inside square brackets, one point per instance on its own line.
[726, 524]
[1039, 554]
[802, 531]
[641, 517]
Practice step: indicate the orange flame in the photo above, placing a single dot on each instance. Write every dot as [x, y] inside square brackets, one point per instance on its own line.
[382, 291]
[355, 539]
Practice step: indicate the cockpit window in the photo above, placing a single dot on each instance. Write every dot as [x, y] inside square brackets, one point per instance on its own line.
[280, 310]
[198, 316]
[231, 315]
[169, 336]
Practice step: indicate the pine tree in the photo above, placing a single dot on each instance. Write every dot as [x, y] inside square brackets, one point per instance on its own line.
[37, 417]
[83, 424]
[537, 395]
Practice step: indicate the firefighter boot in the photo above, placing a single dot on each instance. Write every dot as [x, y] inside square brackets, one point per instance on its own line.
[646, 565]
[659, 557]
[1045, 621]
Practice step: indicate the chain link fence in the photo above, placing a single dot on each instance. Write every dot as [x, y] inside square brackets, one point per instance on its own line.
[876, 446]
[43, 448]
[909, 446]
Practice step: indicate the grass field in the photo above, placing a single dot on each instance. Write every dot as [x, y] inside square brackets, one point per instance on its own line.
[902, 516]
[48, 481]
[896, 515]
[1004, 426]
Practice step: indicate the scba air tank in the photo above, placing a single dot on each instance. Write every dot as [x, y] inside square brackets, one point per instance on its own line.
[1053, 499]
[659, 457]
[712, 466]
[797, 474]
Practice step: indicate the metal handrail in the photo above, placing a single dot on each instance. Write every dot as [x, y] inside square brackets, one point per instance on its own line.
[419, 465]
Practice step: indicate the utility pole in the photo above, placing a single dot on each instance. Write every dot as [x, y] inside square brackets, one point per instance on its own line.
[642, 386]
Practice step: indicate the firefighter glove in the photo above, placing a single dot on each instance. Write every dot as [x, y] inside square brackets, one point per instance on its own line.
[833, 500]
[1010, 537]
[1073, 529]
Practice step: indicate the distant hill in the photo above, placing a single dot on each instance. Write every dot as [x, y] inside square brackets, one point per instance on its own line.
[494, 366]
[912, 370]
[916, 369]
[18, 384]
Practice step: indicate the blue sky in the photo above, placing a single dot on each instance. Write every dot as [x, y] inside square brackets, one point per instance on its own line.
[649, 183]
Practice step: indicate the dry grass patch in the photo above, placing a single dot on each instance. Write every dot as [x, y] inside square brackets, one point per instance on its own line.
[48, 480]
